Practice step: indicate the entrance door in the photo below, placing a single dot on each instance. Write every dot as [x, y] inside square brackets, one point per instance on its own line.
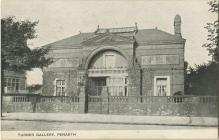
[96, 85]
[96, 89]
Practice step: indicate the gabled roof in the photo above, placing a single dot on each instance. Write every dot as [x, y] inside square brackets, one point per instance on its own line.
[141, 36]
[72, 41]
[153, 35]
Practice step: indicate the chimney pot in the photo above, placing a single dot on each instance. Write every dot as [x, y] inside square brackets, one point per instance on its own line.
[177, 25]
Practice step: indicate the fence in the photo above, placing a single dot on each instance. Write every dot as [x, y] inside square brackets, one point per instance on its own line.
[135, 105]
[155, 105]
[36, 103]
[63, 99]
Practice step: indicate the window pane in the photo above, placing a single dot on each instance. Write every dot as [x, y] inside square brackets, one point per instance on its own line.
[17, 86]
[13, 84]
[63, 82]
[58, 91]
[5, 82]
[58, 82]
[9, 82]
[126, 80]
[126, 90]
[60, 87]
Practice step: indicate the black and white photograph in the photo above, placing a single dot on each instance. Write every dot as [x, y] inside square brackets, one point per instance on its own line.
[109, 69]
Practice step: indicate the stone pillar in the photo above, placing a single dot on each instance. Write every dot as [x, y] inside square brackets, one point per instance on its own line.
[134, 85]
[105, 101]
[82, 100]
[133, 97]
[82, 82]
[34, 100]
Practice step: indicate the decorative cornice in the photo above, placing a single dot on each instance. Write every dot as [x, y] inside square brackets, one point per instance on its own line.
[162, 42]
[108, 39]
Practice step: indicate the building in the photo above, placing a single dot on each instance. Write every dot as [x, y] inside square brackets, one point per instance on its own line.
[128, 61]
[14, 82]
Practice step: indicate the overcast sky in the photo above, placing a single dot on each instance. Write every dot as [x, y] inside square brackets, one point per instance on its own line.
[59, 19]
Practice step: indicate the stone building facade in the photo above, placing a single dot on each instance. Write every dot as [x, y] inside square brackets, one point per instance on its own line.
[128, 61]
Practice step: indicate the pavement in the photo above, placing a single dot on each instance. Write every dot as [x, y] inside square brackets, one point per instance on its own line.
[113, 119]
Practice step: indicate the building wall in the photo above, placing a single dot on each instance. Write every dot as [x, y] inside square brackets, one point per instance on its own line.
[70, 76]
[173, 68]
[69, 61]
[16, 75]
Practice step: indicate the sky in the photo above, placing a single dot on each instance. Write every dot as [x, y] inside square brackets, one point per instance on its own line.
[59, 19]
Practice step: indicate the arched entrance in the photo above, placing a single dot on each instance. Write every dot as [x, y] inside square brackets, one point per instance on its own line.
[107, 73]
[108, 69]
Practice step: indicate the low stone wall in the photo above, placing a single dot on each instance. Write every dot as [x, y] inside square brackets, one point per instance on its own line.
[180, 109]
[57, 107]
[12, 103]
[156, 106]
[95, 104]
[18, 107]
[34, 103]
[205, 106]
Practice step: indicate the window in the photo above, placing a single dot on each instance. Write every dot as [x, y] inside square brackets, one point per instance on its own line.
[117, 86]
[60, 87]
[16, 84]
[12, 84]
[109, 60]
[161, 86]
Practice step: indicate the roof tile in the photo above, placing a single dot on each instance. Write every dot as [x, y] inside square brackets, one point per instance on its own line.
[143, 35]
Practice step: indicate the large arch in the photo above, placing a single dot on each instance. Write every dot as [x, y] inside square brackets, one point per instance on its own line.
[105, 48]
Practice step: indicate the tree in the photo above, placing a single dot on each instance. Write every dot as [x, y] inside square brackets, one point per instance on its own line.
[203, 79]
[15, 53]
[212, 28]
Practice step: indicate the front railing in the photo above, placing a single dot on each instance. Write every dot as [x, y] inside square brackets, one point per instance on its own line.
[20, 99]
[145, 105]
[119, 99]
[63, 99]
[156, 99]
[94, 98]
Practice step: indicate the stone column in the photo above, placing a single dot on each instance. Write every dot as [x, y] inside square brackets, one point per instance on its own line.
[133, 97]
[105, 101]
[134, 85]
[82, 100]
[82, 79]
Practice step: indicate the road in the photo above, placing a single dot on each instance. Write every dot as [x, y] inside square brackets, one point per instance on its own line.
[12, 125]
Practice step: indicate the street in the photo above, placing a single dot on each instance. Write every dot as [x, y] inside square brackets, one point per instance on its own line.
[13, 125]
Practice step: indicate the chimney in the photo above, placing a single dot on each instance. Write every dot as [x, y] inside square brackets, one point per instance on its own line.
[177, 25]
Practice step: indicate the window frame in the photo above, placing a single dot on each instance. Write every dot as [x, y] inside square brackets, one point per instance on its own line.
[123, 86]
[60, 86]
[104, 59]
[168, 84]
[12, 84]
